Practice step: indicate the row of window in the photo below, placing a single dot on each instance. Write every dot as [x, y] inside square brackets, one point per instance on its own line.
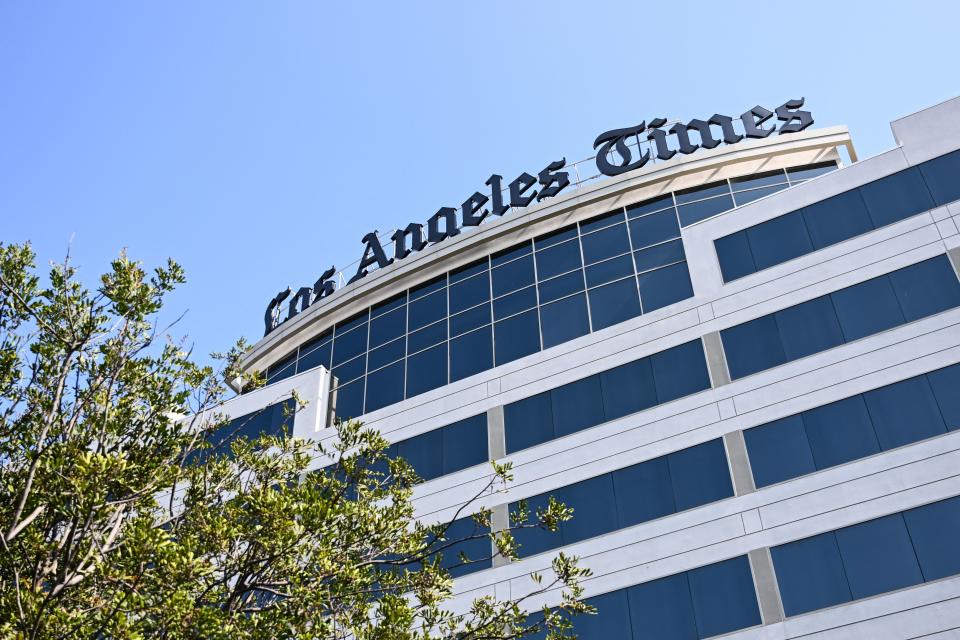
[843, 216]
[849, 314]
[631, 387]
[862, 425]
[652, 489]
[273, 420]
[445, 450]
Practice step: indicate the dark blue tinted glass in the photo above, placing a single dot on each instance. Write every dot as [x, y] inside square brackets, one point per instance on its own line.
[654, 229]
[753, 346]
[559, 259]
[516, 337]
[386, 354]
[422, 290]
[528, 422]
[612, 621]
[839, 432]
[878, 556]
[471, 353]
[555, 237]
[428, 309]
[424, 453]
[349, 370]
[501, 257]
[609, 270]
[649, 206]
[594, 508]
[946, 388]
[470, 319]
[663, 609]
[427, 337]
[577, 405]
[644, 492]
[935, 530]
[600, 222]
[556, 288]
[465, 443]
[564, 320]
[810, 574]
[664, 286]
[468, 271]
[835, 219]
[700, 475]
[810, 171]
[896, 197]
[697, 211]
[926, 288]
[724, 599]
[779, 240]
[282, 369]
[387, 327]
[348, 400]
[659, 255]
[613, 303]
[867, 308]
[344, 327]
[315, 356]
[388, 305]
[469, 293]
[512, 276]
[349, 345]
[534, 540]
[701, 192]
[385, 386]
[809, 327]
[779, 451]
[940, 174]
[765, 179]
[515, 302]
[904, 412]
[743, 197]
[605, 243]
[426, 370]
[474, 544]
[628, 388]
[734, 254]
[680, 371]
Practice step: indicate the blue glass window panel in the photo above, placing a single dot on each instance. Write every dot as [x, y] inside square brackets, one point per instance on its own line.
[654, 229]
[348, 402]
[946, 387]
[775, 177]
[514, 302]
[342, 328]
[386, 354]
[512, 276]
[349, 370]
[724, 599]
[733, 252]
[663, 609]
[468, 271]
[701, 192]
[649, 206]
[628, 388]
[743, 197]
[528, 422]
[469, 293]
[613, 303]
[426, 370]
[602, 221]
[779, 451]
[753, 346]
[427, 337]
[659, 255]
[809, 327]
[779, 240]
[465, 443]
[385, 387]
[700, 475]
[349, 345]
[468, 320]
[643, 492]
[840, 432]
[555, 237]
[904, 412]
[561, 286]
[940, 174]
[424, 453]
[428, 287]
[564, 320]
[896, 197]
[428, 309]
[477, 550]
[605, 243]
[810, 171]
[665, 286]
[926, 288]
[389, 304]
[935, 530]
[285, 368]
[878, 556]
[680, 371]
[319, 355]
[594, 508]
[471, 353]
[810, 574]
[559, 259]
[534, 540]
[516, 337]
[836, 219]
[609, 270]
[697, 211]
[867, 308]
[577, 405]
[512, 253]
[611, 622]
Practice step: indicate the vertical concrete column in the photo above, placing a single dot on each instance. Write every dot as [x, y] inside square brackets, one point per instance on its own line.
[954, 255]
[497, 448]
[739, 463]
[765, 582]
[716, 359]
[499, 521]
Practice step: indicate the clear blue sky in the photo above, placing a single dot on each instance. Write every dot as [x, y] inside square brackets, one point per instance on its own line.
[256, 142]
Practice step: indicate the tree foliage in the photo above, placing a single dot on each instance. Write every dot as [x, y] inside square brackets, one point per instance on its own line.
[118, 519]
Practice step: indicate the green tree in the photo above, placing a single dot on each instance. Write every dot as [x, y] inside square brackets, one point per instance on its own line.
[118, 519]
